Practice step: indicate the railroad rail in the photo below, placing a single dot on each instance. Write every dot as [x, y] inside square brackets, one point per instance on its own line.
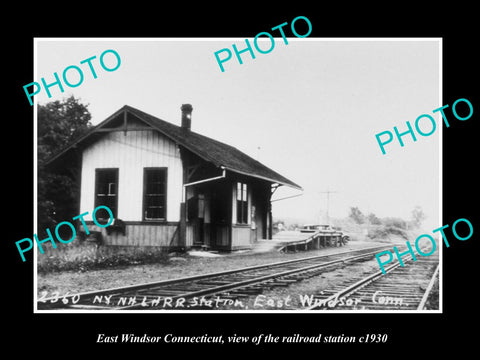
[400, 288]
[232, 283]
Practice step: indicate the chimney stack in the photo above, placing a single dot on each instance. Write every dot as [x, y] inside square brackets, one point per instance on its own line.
[186, 116]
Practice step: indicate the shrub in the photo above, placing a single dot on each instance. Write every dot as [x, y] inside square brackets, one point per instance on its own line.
[382, 232]
[395, 222]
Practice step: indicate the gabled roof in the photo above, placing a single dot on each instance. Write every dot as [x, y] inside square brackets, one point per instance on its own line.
[213, 151]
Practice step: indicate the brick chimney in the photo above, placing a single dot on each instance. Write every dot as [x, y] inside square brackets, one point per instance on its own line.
[186, 116]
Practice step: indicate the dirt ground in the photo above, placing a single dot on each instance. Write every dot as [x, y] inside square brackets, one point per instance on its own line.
[183, 265]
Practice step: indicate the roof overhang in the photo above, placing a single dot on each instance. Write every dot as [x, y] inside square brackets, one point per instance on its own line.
[275, 181]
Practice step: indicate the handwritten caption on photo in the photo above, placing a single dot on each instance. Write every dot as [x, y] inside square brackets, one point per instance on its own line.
[260, 302]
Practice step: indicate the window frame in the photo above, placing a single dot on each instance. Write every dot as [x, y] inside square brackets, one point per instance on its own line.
[97, 186]
[242, 209]
[144, 197]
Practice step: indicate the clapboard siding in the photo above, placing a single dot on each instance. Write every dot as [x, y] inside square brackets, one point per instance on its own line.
[241, 237]
[221, 236]
[141, 235]
[131, 153]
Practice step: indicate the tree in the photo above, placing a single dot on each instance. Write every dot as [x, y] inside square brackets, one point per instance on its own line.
[357, 215]
[418, 216]
[395, 222]
[58, 124]
[373, 219]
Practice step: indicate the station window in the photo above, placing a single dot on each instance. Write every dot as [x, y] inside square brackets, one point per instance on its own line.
[242, 203]
[155, 194]
[106, 192]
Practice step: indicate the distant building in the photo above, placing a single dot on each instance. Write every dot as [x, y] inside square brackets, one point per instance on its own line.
[168, 186]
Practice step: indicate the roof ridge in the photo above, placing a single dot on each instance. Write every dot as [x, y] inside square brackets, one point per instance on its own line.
[189, 133]
[211, 150]
[179, 127]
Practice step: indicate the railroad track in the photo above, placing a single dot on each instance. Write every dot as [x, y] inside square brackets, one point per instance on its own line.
[189, 292]
[400, 288]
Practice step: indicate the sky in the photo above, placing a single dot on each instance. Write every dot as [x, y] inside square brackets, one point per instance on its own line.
[309, 110]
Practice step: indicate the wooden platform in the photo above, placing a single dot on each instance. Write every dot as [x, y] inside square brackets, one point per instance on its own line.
[297, 241]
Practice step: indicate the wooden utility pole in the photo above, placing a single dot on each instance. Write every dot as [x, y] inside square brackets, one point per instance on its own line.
[328, 192]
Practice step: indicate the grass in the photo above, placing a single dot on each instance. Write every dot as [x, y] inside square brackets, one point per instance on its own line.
[85, 257]
[142, 268]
